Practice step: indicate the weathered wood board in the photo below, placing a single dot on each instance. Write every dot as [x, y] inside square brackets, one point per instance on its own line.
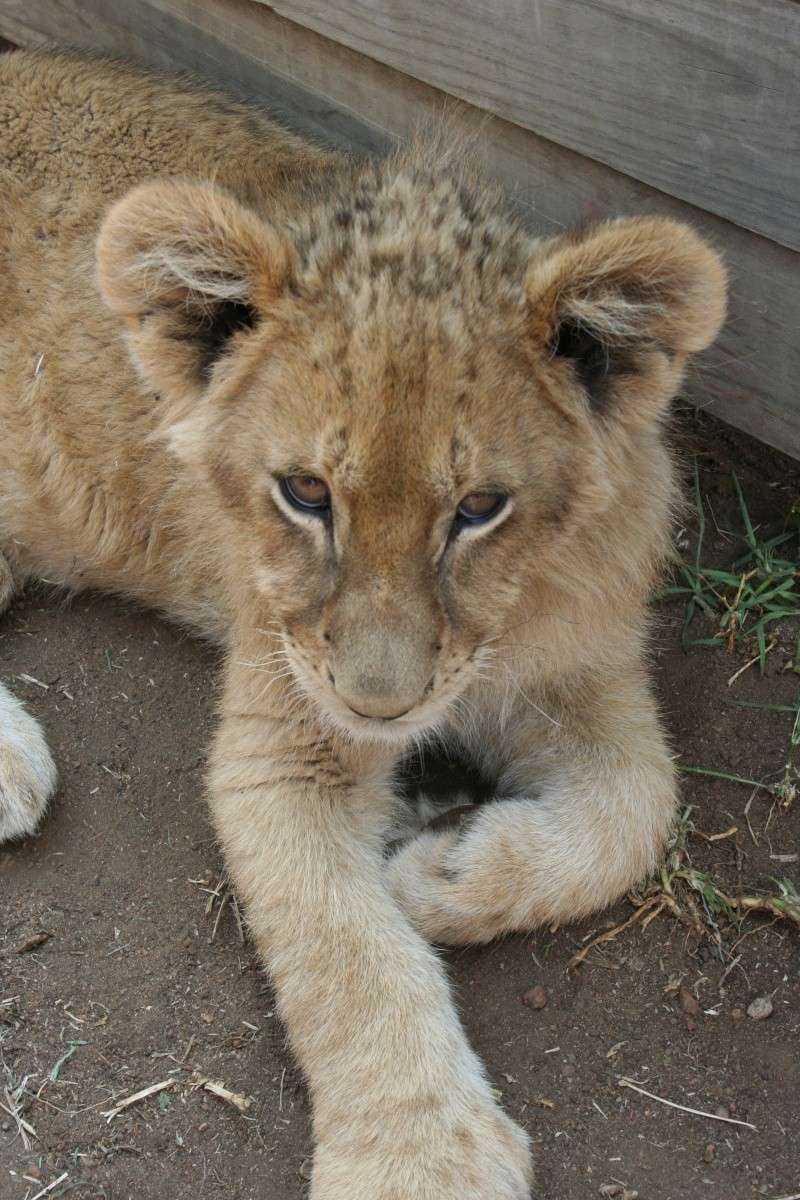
[326, 90]
[700, 98]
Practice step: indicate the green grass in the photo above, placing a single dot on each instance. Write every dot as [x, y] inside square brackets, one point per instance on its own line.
[740, 602]
[737, 604]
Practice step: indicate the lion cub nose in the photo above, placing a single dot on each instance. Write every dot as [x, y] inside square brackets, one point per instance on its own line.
[383, 666]
[370, 698]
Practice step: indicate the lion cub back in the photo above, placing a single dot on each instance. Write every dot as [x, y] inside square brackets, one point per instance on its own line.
[70, 123]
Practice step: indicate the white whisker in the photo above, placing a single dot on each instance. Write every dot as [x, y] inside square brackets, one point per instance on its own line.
[532, 703]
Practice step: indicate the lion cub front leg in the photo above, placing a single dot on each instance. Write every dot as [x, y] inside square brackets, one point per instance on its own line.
[585, 801]
[402, 1108]
[27, 771]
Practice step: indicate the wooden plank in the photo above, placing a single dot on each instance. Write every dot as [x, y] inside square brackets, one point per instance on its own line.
[319, 87]
[700, 98]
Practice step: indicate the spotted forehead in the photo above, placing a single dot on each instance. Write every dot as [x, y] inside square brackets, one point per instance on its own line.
[393, 457]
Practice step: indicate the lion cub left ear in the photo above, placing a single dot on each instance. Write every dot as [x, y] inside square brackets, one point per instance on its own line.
[189, 268]
[620, 306]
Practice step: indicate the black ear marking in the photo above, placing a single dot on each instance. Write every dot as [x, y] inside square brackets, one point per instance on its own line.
[213, 330]
[592, 358]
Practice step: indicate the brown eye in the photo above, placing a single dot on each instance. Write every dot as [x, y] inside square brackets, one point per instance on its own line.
[306, 493]
[479, 507]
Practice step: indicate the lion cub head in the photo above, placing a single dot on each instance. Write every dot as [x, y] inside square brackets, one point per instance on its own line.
[413, 413]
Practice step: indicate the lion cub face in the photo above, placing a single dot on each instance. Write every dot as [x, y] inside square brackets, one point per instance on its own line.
[407, 407]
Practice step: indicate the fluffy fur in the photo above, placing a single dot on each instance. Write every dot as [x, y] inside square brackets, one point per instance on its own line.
[196, 305]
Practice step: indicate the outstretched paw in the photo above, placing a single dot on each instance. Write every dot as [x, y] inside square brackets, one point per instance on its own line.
[475, 1154]
[27, 770]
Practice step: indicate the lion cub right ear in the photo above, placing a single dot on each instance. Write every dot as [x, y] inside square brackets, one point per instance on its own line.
[190, 270]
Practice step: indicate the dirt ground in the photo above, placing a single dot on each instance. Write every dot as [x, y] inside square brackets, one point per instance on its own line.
[140, 980]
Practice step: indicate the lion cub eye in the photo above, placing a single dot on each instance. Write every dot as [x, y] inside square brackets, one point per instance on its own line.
[479, 507]
[306, 493]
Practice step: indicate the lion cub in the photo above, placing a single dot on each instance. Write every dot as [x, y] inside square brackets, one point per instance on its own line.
[405, 462]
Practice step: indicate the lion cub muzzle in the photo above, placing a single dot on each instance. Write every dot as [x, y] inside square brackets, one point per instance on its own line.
[382, 658]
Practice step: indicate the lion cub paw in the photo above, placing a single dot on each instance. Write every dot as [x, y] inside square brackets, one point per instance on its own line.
[481, 1156]
[27, 770]
[423, 877]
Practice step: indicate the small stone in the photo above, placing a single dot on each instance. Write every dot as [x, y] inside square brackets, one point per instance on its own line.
[34, 941]
[690, 1008]
[722, 1111]
[760, 1008]
[738, 1014]
[709, 1152]
[688, 1003]
[305, 1168]
[535, 997]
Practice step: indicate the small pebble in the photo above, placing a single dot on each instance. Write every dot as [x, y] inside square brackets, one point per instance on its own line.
[709, 1153]
[305, 1168]
[535, 997]
[738, 1014]
[760, 1008]
[722, 1111]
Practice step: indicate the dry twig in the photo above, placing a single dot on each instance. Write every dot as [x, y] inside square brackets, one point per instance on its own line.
[12, 1107]
[236, 1099]
[51, 1186]
[136, 1097]
[697, 1112]
[657, 903]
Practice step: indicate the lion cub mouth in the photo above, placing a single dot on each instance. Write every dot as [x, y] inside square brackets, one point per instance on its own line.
[426, 715]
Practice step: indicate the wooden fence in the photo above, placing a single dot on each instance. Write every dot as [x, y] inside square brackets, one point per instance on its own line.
[582, 110]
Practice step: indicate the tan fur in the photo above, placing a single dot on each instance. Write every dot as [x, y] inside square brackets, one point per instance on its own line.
[195, 304]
